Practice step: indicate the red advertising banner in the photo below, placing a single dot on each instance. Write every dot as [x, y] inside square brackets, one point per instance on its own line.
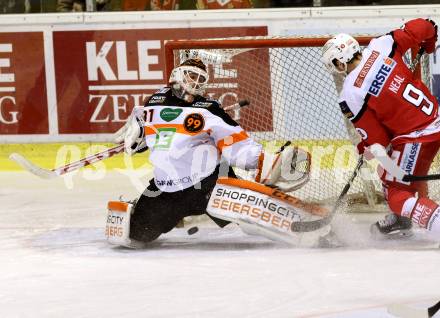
[23, 101]
[101, 75]
[247, 76]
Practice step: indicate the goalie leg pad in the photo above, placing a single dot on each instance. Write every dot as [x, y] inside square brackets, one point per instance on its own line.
[257, 213]
[117, 229]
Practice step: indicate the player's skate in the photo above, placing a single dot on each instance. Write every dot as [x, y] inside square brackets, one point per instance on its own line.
[392, 226]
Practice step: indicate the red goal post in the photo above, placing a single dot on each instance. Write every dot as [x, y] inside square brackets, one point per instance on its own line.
[292, 97]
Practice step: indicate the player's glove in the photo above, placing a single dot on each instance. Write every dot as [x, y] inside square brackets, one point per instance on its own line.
[287, 169]
[132, 133]
[429, 44]
[363, 149]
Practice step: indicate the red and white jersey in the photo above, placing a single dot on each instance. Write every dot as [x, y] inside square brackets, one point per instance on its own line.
[383, 98]
[188, 140]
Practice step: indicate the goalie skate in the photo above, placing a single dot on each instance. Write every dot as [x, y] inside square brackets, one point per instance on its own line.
[392, 227]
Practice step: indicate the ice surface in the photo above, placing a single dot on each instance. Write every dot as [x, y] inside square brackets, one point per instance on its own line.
[54, 262]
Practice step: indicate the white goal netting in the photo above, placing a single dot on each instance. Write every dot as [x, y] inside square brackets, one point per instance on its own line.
[292, 97]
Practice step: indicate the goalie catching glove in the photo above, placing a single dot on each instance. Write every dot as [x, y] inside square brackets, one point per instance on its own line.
[132, 133]
[287, 170]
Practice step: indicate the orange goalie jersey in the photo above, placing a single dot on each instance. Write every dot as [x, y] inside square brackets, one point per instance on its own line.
[381, 96]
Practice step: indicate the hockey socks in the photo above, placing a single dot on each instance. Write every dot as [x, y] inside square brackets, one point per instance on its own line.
[425, 213]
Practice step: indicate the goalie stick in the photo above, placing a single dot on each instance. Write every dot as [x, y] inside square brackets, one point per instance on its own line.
[50, 174]
[309, 226]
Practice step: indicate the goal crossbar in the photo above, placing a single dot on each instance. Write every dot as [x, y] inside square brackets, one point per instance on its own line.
[244, 43]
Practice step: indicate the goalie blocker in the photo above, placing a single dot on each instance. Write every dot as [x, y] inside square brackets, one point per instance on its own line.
[264, 211]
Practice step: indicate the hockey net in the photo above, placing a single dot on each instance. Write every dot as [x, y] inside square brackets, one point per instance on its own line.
[292, 97]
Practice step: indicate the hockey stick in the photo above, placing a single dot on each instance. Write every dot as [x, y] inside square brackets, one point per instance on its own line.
[404, 311]
[236, 106]
[380, 153]
[309, 226]
[49, 174]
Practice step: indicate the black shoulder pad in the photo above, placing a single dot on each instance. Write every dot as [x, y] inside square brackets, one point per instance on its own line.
[159, 97]
[156, 99]
[204, 103]
[164, 90]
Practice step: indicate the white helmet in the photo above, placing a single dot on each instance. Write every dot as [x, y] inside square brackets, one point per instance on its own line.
[341, 47]
[190, 77]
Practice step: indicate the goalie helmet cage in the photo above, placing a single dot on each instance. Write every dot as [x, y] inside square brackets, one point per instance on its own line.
[292, 97]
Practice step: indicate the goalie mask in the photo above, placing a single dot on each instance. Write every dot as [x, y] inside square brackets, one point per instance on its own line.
[343, 48]
[189, 79]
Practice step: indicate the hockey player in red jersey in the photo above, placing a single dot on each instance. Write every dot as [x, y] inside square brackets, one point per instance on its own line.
[388, 105]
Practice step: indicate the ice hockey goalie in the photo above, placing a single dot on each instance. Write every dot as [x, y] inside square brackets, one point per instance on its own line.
[193, 146]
